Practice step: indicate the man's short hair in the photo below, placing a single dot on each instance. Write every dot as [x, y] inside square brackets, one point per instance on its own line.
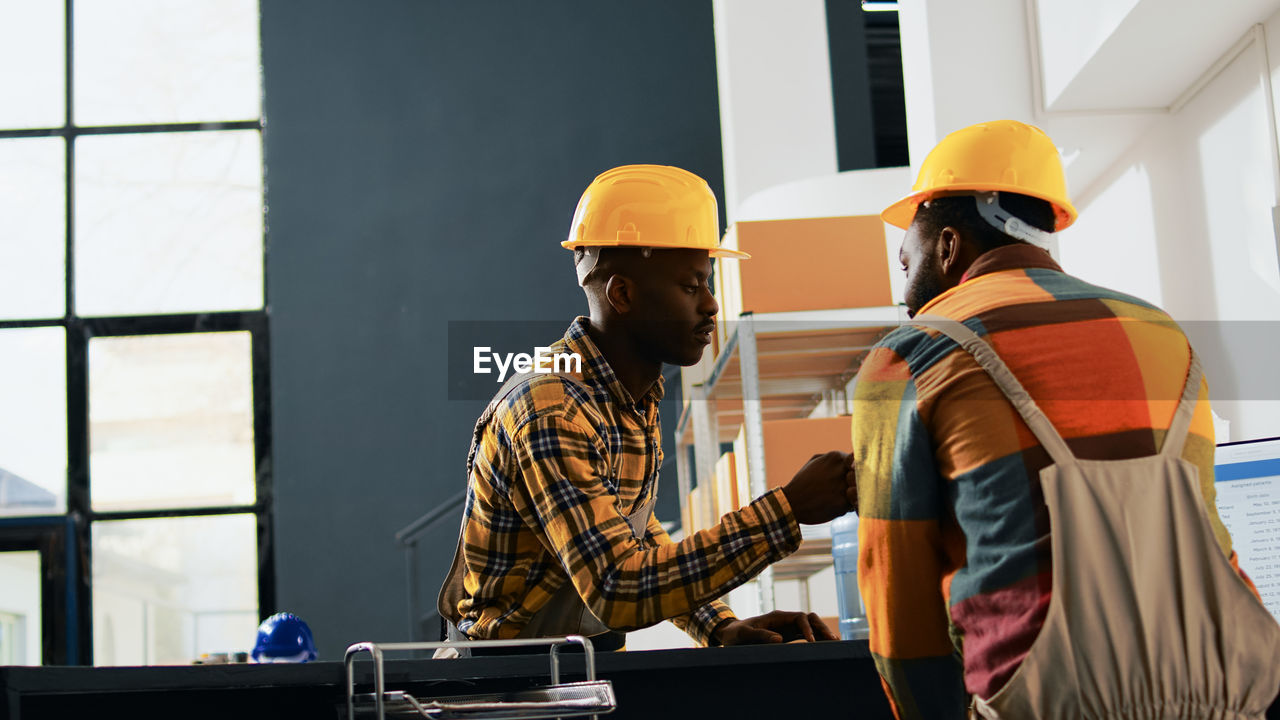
[610, 260]
[961, 213]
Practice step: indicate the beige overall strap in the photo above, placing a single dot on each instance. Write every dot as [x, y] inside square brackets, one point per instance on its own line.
[1176, 437]
[638, 519]
[451, 591]
[986, 357]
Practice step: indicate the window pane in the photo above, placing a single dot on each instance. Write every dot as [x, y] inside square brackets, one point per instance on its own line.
[33, 426]
[158, 61]
[170, 421]
[167, 590]
[33, 228]
[20, 615]
[33, 65]
[168, 223]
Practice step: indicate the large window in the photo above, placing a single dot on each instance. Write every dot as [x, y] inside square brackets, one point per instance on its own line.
[134, 442]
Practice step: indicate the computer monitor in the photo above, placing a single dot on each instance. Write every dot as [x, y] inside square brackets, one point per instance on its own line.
[1247, 476]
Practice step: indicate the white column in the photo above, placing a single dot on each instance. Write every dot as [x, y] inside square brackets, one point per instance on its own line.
[962, 63]
[777, 121]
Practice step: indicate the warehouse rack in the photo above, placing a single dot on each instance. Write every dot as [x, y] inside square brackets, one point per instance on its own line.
[774, 366]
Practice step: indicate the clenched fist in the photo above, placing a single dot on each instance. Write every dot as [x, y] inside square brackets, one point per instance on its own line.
[823, 489]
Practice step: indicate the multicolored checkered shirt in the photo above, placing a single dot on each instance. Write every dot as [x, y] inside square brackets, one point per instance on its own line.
[954, 564]
[558, 469]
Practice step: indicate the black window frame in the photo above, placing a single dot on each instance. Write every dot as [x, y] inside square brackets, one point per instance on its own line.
[64, 541]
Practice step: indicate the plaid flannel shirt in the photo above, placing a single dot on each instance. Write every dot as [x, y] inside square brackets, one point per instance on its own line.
[954, 564]
[558, 469]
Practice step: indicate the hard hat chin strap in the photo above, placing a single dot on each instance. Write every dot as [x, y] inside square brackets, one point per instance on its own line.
[586, 263]
[1004, 221]
[590, 257]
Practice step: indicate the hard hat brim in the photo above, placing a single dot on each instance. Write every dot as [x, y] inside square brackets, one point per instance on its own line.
[713, 252]
[901, 213]
[727, 253]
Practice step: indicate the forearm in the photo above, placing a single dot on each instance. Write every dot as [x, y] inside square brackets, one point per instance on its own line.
[630, 586]
[701, 624]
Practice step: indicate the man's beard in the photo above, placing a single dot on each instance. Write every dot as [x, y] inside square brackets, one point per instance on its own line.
[928, 285]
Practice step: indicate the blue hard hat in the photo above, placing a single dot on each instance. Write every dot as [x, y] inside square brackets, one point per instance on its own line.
[284, 637]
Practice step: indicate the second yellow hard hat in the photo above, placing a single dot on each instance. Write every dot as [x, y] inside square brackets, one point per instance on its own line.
[1002, 155]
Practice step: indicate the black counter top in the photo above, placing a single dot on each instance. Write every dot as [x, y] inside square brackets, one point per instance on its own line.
[802, 680]
[829, 679]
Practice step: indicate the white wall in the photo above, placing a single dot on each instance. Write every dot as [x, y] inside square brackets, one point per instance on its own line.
[777, 119]
[1109, 54]
[1195, 194]
[1184, 219]
[1070, 33]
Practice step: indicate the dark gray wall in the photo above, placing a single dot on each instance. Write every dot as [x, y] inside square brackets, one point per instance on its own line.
[423, 161]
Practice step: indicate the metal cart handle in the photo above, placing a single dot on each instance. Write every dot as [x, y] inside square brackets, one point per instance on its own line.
[377, 649]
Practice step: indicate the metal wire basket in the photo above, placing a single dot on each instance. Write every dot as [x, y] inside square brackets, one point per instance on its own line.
[557, 700]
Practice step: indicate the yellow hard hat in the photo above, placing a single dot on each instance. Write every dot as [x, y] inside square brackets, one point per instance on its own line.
[656, 206]
[1003, 155]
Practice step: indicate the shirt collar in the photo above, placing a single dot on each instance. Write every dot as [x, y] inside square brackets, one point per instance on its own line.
[595, 369]
[1018, 256]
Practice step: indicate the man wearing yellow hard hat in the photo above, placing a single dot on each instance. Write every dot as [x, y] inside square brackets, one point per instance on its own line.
[1034, 459]
[558, 534]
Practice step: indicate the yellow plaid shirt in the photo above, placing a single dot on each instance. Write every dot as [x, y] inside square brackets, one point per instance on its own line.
[558, 469]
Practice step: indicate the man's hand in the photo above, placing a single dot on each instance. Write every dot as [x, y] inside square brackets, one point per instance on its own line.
[823, 490]
[851, 489]
[776, 627]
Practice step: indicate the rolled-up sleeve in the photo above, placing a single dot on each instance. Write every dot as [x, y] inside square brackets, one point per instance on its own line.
[702, 622]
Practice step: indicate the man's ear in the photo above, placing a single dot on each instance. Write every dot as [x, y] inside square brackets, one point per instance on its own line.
[619, 290]
[948, 249]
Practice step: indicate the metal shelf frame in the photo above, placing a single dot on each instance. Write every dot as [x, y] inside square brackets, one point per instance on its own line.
[783, 364]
